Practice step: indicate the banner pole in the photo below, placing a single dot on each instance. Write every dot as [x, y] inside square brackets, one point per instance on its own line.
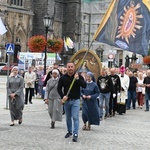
[82, 61]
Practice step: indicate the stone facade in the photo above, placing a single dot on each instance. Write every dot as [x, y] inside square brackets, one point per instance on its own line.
[67, 17]
[24, 18]
[18, 18]
[19, 23]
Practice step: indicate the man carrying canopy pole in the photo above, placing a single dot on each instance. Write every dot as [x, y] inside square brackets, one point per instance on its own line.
[71, 81]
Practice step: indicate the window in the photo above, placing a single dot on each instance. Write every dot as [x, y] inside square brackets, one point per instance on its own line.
[17, 2]
[18, 40]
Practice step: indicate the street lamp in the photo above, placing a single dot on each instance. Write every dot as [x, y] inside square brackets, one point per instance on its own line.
[48, 23]
[99, 52]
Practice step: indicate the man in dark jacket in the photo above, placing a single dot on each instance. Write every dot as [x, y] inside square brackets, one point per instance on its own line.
[117, 87]
[71, 99]
[132, 91]
[147, 89]
[105, 85]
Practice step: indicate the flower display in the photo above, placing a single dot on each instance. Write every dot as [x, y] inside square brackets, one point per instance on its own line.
[146, 59]
[55, 45]
[37, 43]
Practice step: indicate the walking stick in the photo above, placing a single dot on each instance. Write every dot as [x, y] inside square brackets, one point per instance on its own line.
[82, 61]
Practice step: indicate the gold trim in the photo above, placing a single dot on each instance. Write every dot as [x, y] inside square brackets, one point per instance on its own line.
[105, 18]
[77, 58]
[146, 3]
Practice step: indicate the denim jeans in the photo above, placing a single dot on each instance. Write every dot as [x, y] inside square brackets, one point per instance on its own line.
[131, 95]
[102, 97]
[147, 98]
[72, 108]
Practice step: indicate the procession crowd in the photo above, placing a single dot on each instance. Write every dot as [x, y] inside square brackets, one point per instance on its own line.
[64, 89]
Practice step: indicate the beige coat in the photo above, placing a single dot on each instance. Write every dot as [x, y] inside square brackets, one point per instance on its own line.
[29, 79]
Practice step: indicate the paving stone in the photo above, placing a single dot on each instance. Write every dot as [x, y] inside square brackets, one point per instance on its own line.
[122, 132]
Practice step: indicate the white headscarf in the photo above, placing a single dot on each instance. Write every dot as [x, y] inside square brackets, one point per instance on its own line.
[12, 74]
[56, 71]
[15, 67]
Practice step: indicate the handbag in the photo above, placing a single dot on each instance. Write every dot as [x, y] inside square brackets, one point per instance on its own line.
[46, 101]
[143, 90]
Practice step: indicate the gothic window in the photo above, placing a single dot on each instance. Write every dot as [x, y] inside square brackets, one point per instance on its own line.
[18, 40]
[17, 2]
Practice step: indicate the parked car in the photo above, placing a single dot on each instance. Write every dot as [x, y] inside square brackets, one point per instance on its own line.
[5, 68]
[2, 64]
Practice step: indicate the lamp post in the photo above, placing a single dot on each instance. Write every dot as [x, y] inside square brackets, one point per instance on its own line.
[99, 52]
[48, 23]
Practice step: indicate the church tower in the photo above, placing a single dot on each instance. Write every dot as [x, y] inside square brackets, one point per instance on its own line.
[67, 17]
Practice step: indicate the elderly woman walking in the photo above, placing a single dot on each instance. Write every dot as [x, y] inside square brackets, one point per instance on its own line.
[53, 99]
[15, 85]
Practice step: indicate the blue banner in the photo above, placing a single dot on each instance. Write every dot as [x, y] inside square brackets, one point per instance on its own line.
[126, 25]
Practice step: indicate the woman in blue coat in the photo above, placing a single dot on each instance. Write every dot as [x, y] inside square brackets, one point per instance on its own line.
[90, 109]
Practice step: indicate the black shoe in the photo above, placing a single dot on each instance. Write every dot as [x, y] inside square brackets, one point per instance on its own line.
[146, 110]
[113, 113]
[75, 138]
[106, 116]
[68, 135]
[20, 121]
[110, 115]
[127, 108]
[12, 124]
[63, 112]
[52, 125]
[30, 102]
[25, 103]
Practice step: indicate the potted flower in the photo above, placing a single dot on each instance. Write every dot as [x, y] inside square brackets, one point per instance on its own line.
[55, 45]
[37, 43]
[146, 59]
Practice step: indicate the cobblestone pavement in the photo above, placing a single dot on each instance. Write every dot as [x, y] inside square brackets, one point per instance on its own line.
[122, 132]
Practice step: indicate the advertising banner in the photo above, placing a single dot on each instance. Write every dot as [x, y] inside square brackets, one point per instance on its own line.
[27, 59]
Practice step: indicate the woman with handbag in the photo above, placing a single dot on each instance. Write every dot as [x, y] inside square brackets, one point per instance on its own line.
[53, 99]
[140, 87]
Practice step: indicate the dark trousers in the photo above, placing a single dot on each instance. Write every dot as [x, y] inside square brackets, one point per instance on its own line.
[36, 88]
[29, 91]
[131, 96]
[112, 104]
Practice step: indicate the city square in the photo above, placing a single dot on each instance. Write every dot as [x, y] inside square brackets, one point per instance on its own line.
[74, 75]
[129, 131]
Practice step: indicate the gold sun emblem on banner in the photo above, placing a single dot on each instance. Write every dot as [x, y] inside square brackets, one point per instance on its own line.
[129, 22]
